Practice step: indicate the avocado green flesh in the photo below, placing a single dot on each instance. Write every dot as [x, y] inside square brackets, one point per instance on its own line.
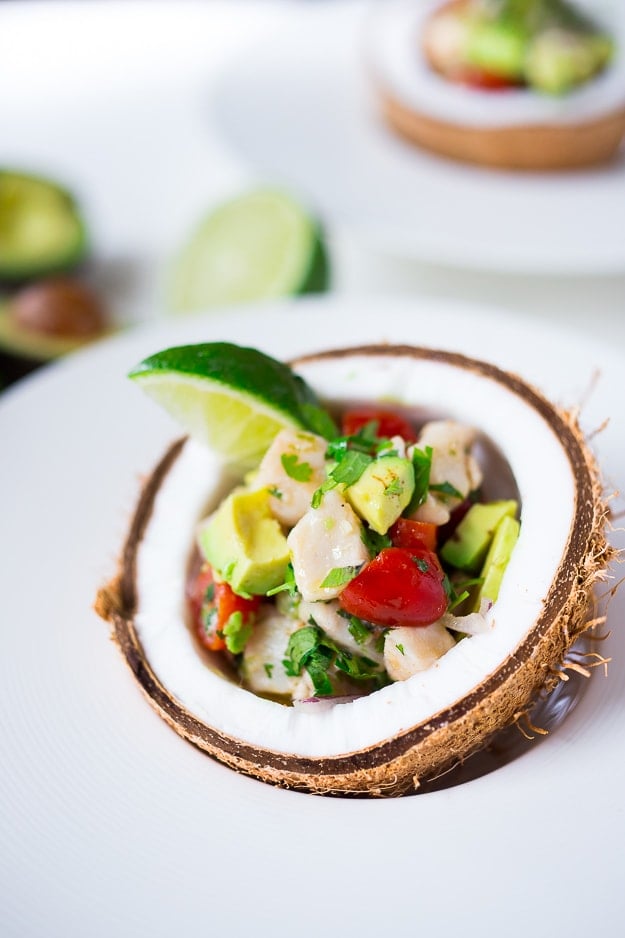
[41, 230]
[504, 539]
[24, 343]
[466, 549]
[498, 49]
[545, 44]
[382, 492]
[245, 544]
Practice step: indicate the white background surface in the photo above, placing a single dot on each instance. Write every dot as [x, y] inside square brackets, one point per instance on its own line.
[110, 824]
[118, 98]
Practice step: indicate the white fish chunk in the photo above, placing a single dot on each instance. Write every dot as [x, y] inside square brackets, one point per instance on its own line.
[452, 463]
[290, 497]
[325, 538]
[326, 616]
[408, 650]
[262, 670]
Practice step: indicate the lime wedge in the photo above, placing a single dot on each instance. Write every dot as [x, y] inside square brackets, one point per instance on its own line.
[258, 246]
[232, 398]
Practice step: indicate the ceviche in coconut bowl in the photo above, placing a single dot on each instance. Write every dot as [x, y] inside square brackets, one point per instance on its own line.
[341, 580]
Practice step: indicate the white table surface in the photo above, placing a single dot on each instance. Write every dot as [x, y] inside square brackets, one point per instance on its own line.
[115, 98]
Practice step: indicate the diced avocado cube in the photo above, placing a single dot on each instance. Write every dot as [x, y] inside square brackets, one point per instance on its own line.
[245, 544]
[382, 491]
[497, 48]
[504, 539]
[558, 60]
[467, 547]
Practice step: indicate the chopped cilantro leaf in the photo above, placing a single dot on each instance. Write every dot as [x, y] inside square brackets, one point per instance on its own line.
[379, 642]
[373, 541]
[358, 630]
[460, 598]
[320, 492]
[446, 488]
[300, 471]
[422, 564]
[400, 648]
[422, 464]
[365, 441]
[237, 632]
[274, 491]
[310, 648]
[209, 593]
[461, 592]
[339, 576]
[289, 583]
[351, 467]
[394, 488]
[448, 587]
[319, 420]
[268, 669]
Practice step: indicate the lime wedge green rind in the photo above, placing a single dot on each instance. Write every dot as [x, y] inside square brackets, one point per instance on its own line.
[260, 245]
[232, 398]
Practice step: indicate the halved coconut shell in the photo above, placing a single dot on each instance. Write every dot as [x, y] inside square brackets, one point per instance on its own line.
[392, 740]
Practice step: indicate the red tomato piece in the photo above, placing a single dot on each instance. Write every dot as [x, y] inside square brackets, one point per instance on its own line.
[409, 534]
[389, 423]
[399, 587]
[211, 604]
[487, 81]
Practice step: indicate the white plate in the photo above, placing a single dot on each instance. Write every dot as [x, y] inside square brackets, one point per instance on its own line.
[301, 108]
[111, 824]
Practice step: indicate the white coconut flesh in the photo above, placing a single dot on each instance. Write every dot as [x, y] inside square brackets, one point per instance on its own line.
[393, 51]
[353, 746]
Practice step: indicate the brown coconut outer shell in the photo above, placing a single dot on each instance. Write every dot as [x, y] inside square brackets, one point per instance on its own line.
[523, 147]
[398, 765]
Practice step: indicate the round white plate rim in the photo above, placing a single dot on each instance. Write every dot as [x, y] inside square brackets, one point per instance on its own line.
[252, 800]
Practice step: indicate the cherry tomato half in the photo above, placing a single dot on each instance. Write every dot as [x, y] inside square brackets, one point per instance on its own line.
[211, 605]
[409, 534]
[486, 81]
[399, 587]
[389, 423]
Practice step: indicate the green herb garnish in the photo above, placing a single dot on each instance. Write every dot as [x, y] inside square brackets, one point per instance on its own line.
[373, 541]
[299, 471]
[446, 488]
[422, 465]
[339, 576]
[289, 584]
[395, 487]
[311, 649]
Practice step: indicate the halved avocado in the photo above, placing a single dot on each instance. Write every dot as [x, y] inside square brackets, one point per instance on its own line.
[41, 227]
[389, 742]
